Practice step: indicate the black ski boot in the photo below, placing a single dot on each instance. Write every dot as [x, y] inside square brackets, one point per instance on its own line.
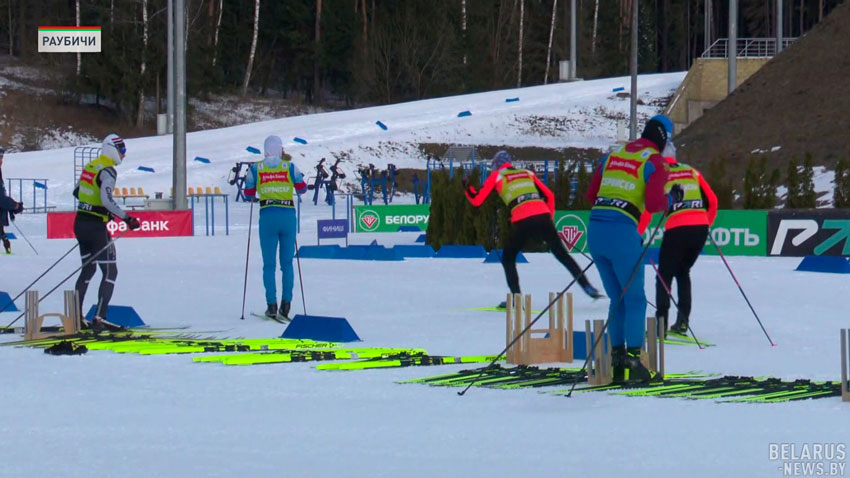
[283, 313]
[680, 327]
[7, 245]
[636, 372]
[271, 311]
[100, 324]
[618, 364]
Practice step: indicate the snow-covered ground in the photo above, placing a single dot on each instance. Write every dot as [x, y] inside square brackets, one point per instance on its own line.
[104, 414]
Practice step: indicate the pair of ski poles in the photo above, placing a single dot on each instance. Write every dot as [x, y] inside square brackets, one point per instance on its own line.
[596, 341]
[88, 261]
[248, 256]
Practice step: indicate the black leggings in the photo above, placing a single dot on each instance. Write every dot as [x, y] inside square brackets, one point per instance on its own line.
[539, 227]
[94, 239]
[679, 251]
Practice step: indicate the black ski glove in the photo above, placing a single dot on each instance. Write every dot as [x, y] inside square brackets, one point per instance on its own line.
[132, 222]
[19, 208]
[676, 195]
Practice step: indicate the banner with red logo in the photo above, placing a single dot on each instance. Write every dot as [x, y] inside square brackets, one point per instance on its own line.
[60, 225]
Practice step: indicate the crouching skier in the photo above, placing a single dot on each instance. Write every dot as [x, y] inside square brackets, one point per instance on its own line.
[532, 207]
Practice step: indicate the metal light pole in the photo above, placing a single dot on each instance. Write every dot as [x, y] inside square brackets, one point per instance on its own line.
[633, 67]
[573, 35]
[707, 35]
[179, 47]
[778, 26]
[170, 72]
[732, 47]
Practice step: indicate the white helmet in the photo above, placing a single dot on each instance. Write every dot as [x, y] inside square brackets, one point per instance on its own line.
[273, 147]
[113, 147]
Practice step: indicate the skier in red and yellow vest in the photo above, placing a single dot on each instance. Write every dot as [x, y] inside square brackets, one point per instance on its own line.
[685, 233]
[627, 182]
[532, 207]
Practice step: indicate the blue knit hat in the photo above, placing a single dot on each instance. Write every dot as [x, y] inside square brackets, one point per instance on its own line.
[500, 159]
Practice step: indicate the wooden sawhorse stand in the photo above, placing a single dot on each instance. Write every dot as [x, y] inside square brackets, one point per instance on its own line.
[33, 322]
[557, 347]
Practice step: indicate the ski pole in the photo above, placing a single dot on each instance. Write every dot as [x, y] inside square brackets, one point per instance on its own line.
[85, 263]
[247, 256]
[24, 236]
[720, 253]
[637, 267]
[300, 280]
[670, 294]
[39, 277]
[527, 327]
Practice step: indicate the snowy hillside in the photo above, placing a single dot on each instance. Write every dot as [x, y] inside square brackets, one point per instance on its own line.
[581, 114]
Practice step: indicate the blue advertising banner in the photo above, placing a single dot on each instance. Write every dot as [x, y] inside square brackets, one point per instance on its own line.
[332, 228]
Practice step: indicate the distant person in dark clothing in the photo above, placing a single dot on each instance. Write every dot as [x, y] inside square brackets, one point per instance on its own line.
[8, 208]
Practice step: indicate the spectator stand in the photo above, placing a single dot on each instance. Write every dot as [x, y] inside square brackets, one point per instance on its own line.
[38, 187]
[132, 193]
[208, 196]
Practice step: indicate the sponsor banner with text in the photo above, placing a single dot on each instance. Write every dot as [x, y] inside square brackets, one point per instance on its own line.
[817, 232]
[60, 225]
[388, 218]
[737, 232]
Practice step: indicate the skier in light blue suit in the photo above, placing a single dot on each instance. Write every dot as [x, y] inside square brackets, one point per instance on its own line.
[275, 180]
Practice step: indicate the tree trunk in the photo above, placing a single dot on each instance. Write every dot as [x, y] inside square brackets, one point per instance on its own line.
[111, 12]
[140, 116]
[802, 7]
[595, 24]
[253, 48]
[217, 29]
[549, 48]
[521, 21]
[79, 55]
[317, 82]
[11, 35]
[365, 23]
[820, 11]
[463, 27]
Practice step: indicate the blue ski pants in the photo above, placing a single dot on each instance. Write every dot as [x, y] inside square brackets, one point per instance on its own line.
[615, 248]
[277, 229]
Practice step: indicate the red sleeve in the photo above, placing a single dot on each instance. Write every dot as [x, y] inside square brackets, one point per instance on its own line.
[595, 183]
[550, 196]
[477, 198]
[710, 197]
[655, 198]
[645, 219]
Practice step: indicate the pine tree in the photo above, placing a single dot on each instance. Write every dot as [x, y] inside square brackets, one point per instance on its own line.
[770, 198]
[583, 184]
[751, 185]
[720, 183]
[793, 183]
[807, 184]
[562, 186]
[840, 189]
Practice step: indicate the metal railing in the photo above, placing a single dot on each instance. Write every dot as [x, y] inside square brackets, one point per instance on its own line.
[746, 47]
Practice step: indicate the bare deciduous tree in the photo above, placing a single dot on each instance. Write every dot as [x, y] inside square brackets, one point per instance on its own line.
[140, 115]
[253, 48]
[549, 48]
[519, 61]
[79, 55]
[317, 83]
[217, 29]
